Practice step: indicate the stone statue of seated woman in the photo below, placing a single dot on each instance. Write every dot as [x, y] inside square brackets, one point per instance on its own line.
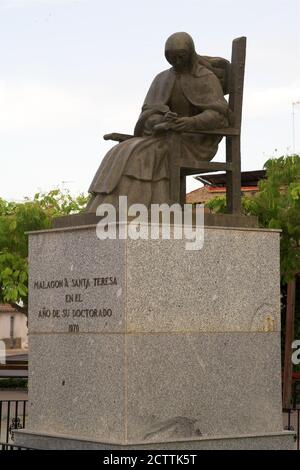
[185, 99]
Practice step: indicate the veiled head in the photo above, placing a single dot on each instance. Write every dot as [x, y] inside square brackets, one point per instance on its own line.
[179, 51]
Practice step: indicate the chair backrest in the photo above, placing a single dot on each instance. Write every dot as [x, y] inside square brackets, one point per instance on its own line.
[231, 76]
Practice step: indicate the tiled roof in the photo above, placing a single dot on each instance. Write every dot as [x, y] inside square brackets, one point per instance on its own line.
[249, 178]
[7, 308]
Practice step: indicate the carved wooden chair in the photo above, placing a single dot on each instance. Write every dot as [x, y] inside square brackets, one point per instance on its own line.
[178, 173]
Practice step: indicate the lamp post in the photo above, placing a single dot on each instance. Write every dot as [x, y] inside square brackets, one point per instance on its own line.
[295, 103]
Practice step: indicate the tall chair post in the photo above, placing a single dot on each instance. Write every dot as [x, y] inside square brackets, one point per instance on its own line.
[233, 143]
[174, 166]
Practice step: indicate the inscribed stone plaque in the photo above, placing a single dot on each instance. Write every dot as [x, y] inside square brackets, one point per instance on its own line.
[75, 285]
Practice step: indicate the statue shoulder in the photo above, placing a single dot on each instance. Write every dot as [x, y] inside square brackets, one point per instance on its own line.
[160, 88]
[162, 76]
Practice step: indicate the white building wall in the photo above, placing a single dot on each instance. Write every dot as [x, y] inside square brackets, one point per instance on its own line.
[20, 328]
[4, 325]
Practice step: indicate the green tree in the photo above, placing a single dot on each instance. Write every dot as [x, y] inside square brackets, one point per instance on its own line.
[18, 218]
[277, 206]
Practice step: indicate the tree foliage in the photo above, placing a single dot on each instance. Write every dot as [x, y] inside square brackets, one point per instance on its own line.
[277, 206]
[18, 218]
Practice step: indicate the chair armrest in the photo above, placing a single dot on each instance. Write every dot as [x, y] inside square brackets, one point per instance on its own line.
[117, 137]
[227, 131]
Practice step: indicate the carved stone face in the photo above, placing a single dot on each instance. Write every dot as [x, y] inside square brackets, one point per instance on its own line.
[180, 59]
[179, 51]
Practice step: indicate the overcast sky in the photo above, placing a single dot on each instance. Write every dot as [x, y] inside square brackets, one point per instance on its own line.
[73, 70]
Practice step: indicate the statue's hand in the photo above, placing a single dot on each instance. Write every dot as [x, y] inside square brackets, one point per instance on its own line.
[167, 120]
[170, 116]
[182, 124]
[162, 127]
[176, 124]
[152, 122]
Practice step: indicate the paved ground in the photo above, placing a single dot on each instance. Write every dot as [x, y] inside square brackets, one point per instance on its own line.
[17, 357]
[16, 352]
[13, 373]
[13, 395]
[13, 355]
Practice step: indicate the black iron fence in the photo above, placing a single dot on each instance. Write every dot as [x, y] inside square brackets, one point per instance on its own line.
[7, 446]
[13, 414]
[291, 418]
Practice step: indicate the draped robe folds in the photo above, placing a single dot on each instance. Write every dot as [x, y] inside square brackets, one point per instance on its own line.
[139, 167]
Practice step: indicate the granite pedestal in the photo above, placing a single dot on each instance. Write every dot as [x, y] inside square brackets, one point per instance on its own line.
[143, 344]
